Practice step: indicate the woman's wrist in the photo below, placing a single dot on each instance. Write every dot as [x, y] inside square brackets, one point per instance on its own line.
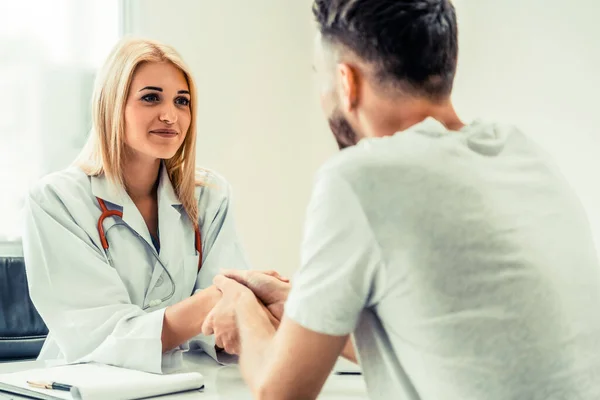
[211, 295]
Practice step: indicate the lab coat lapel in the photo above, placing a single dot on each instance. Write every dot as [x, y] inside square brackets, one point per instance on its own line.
[170, 235]
[133, 218]
[107, 191]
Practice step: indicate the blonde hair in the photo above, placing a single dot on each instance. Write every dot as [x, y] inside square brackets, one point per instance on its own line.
[104, 150]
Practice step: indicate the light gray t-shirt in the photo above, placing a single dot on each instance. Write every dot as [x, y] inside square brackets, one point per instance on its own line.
[462, 262]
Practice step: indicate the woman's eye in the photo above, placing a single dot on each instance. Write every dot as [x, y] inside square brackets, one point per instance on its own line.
[150, 98]
[182, 101]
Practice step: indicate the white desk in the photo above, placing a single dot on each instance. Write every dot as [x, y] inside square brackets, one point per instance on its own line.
[225, 382]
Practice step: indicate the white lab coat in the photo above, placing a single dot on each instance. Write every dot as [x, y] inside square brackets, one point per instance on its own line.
[94, 311]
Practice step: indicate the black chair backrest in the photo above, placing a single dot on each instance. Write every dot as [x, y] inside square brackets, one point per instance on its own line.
[22, 330]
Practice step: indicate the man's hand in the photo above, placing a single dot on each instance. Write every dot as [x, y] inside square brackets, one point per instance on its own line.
[221, 321]
[269, 287]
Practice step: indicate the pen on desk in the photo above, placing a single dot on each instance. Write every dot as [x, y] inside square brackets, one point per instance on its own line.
[50, 385]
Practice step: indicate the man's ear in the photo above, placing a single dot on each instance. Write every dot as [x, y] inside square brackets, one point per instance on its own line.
[348, 78]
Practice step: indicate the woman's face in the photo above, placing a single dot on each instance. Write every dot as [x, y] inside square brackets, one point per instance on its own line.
[157, 111]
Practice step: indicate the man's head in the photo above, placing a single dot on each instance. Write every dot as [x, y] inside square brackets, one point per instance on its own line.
[371, 54]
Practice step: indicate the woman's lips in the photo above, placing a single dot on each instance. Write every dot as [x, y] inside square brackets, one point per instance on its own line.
[166, 133]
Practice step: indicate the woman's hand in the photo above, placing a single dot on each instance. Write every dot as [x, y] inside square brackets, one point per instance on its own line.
[221, 321]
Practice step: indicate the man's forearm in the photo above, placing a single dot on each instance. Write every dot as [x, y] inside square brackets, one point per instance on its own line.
[183, 321]
[256, 335]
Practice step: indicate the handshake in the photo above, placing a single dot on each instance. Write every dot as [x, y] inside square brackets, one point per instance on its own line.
[255, 291]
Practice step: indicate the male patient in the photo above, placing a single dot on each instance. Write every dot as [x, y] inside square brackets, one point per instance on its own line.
[455, 254]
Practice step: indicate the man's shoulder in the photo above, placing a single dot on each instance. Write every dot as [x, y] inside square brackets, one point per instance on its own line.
[371, 158]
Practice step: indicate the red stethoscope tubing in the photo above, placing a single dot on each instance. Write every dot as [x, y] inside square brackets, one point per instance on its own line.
[116, 213]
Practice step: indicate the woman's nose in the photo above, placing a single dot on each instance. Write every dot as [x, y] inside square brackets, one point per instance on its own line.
[168, 114]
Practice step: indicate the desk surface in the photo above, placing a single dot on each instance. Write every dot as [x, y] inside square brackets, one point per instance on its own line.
[225, 382]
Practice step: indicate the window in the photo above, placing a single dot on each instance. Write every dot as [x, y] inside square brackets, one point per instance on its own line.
[49, 53]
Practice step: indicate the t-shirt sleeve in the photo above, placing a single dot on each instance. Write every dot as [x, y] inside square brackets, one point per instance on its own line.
[340, 260]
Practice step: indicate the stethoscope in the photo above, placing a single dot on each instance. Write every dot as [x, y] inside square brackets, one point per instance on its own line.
[106, 213]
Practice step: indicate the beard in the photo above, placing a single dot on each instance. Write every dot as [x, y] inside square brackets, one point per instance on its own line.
[343, 133]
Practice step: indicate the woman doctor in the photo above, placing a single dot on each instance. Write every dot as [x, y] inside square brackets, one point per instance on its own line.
[122, 247]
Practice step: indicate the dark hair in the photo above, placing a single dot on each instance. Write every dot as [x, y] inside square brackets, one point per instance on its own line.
[412, 43]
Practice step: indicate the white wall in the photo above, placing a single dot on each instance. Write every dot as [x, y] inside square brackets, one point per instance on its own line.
[259, 123]
[536, 63]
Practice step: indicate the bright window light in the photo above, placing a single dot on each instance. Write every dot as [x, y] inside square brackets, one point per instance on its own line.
[49, 53]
